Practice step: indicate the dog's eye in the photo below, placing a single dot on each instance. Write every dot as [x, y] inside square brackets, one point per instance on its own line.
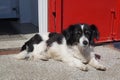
[79, 32]
[87, 32]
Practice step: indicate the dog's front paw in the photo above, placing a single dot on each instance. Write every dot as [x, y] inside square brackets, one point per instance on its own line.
[84, 61]
[101, 68]
[83, 68]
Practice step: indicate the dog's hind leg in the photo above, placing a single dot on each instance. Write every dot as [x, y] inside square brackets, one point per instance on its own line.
[39, 52]
[39, 56]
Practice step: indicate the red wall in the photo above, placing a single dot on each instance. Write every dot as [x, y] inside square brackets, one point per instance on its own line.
[105, 14]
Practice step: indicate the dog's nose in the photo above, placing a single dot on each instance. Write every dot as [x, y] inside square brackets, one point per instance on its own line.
[85, 42]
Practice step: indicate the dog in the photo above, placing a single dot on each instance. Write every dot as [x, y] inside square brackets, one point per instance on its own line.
[73, 46]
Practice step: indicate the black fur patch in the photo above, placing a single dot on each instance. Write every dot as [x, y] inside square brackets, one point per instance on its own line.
[72, 34]
[54, 37]
[94, 34]
[36, 39]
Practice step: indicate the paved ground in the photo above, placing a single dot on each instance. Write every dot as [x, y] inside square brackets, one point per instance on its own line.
[11, 69]
[13, 41]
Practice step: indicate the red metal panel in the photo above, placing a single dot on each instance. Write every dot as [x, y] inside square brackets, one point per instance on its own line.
[54, 22]
[105, 14]
[116, 29]
[58, 15]
[96, 12]
[51, 19]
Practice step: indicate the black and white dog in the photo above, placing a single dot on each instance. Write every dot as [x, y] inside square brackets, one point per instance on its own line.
[73, 47]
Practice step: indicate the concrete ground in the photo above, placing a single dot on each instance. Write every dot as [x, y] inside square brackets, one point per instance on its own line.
[12, 69]
[13, 41]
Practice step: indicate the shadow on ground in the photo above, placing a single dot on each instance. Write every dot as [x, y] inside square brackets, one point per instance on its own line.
[117, 45]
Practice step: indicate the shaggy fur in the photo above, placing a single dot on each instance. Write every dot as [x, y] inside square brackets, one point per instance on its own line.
[73, 47]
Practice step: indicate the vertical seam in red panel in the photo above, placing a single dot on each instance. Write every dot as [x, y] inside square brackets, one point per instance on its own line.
[58, 15]
[62, 7]
[51, 18]
[117, 21]
[114, 21]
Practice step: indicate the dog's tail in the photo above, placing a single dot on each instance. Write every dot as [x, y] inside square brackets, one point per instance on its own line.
[23, 53]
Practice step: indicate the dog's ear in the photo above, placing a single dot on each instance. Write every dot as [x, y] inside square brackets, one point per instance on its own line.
[67, 32]
[94, 33]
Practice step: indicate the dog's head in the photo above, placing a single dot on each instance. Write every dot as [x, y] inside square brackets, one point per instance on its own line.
[82, 34]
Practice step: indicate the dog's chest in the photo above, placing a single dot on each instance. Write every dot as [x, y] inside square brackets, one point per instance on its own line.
[80, 52]
[74, 50]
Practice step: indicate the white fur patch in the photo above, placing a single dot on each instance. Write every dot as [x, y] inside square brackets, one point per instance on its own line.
[45, 36]
[21, 55]
[82, 26]
[82, 39]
